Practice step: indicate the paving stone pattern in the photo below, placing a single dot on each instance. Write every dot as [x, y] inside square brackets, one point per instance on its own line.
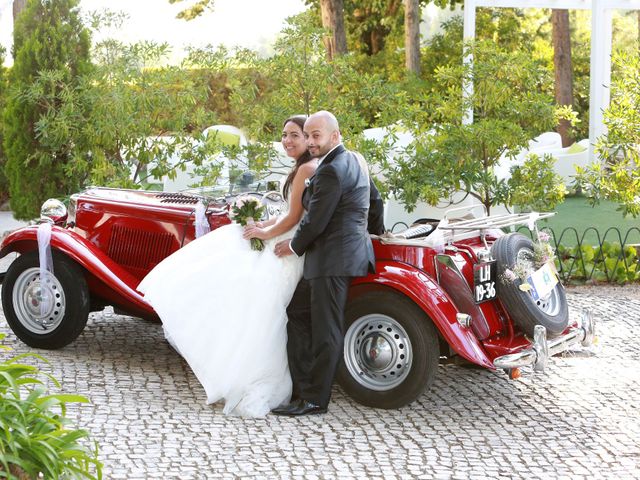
[580, 419]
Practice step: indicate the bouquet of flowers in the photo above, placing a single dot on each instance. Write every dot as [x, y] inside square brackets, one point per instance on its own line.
[245, 211]
[542, 253]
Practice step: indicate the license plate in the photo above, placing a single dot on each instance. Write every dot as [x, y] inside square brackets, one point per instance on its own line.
[484, 281]
[542, 281]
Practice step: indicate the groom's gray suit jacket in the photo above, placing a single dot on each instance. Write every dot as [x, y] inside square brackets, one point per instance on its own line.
[333, 232]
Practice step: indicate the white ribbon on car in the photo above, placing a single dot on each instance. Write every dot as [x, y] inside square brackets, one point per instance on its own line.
[533, 216]
[46, 265]
[202, 224]
[436, 239]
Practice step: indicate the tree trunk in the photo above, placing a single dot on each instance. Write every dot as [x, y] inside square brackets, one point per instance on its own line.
[412, 35]
[563, 67]
[18, 6]
[333, 19]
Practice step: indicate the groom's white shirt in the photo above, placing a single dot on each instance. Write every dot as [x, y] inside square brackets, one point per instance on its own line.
[319, 162]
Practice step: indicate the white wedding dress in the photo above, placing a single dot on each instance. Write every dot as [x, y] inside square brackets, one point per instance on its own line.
[223, 308]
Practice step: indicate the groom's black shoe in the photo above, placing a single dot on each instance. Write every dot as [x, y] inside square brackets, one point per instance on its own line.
[299, 407]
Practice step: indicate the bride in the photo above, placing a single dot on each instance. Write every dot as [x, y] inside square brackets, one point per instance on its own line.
[223, 305]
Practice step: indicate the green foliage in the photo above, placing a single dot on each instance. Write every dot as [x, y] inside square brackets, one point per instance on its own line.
[51, 53]
[35, 437]
[534, 185]
[509, 109]
[609, 263]
[530, 30]
[140, 114]
[509, 28]
[197, 8]
[297, 79]
[4, 186]
[617, 177]
[375, 26]
[263, 92]
[123, 122]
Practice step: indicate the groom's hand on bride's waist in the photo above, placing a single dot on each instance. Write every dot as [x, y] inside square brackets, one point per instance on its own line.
[283, 248]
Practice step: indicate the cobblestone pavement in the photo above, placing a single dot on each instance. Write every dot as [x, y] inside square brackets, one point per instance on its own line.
[580, 419]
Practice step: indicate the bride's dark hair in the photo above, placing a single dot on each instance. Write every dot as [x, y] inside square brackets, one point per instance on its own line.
[304, 158]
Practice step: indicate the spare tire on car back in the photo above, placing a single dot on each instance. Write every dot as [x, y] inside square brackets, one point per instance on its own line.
[552, 311]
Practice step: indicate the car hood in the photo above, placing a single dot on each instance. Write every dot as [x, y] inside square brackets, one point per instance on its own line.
[170, 200]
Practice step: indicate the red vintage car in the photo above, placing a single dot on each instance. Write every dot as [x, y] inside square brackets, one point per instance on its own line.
[438, 294]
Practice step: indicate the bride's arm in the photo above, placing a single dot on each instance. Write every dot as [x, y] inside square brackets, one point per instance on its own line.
[267, 223]
[292, 217]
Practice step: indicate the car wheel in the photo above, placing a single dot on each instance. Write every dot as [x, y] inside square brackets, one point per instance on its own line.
[391, 351]
[66, 295]
[552, 312]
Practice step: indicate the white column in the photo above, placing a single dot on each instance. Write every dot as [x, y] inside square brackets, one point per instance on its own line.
[469, 35]
[599, 94]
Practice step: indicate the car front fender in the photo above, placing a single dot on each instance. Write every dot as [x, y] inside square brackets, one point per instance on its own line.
[422, 290]
[106, 278]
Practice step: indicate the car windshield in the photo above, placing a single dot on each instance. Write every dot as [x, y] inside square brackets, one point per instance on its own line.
[237, 182]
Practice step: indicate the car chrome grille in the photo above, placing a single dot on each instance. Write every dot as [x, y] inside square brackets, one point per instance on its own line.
[182, 198]
[139, 250]
[417, 231]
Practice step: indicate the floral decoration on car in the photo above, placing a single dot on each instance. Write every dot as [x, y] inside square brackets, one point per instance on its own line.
[543, 254]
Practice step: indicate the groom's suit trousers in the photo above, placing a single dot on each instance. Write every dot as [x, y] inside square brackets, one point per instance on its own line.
[316, 336]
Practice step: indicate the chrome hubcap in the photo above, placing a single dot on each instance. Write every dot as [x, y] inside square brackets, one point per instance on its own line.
[377, 352]
[551, 303]
[39, 305]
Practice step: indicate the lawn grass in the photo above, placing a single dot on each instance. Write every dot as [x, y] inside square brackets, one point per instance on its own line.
[575, 212]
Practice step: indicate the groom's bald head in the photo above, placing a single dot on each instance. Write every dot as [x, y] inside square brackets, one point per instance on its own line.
[322, 132]
[328, 118]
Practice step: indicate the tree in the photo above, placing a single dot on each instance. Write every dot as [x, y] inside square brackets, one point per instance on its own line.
[617, 176]
[297, 79]
[332, 13]
[373, 25]
[18, 7]
[562, 67]
[509, 110]
[4, 187]
[48, 38]
[140, 114]
[373, 22]
[412, 35]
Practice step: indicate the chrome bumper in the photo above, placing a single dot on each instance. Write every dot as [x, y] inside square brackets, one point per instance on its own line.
[538, 355]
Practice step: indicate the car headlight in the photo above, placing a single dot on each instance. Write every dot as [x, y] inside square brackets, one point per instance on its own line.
[54, 211]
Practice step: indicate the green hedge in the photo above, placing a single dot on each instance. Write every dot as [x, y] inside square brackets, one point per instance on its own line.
[609, 263]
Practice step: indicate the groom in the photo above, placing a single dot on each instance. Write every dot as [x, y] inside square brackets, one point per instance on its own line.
[333, 235]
